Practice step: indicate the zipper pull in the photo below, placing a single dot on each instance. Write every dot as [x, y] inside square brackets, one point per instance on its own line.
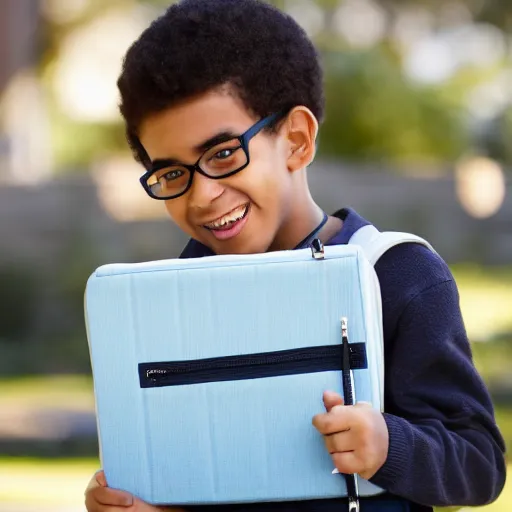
[344, 328]
[353, 505]
[317, 249]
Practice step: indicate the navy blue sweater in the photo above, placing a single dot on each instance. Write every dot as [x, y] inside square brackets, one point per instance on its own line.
[444, 445]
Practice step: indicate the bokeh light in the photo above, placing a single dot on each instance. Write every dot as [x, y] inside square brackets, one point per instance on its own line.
[480, 186]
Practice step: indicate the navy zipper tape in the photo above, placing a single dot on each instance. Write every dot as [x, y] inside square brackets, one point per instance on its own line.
[252, 366]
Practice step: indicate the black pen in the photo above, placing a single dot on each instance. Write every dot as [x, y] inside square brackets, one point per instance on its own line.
[349, 398]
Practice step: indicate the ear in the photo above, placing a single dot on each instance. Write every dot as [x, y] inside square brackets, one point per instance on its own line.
[300, 130]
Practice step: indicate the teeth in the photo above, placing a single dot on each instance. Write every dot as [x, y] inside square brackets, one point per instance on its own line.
[230, 217]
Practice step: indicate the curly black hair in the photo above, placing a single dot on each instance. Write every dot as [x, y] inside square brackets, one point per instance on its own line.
[199, 45]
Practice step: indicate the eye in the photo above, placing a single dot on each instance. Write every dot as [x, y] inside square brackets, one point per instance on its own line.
[224, 153]
[222, 157]
[171, 175]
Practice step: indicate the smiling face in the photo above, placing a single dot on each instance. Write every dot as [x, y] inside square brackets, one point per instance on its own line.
[245, 212]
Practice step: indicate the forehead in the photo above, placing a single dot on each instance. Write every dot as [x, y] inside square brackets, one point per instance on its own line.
[176, 131]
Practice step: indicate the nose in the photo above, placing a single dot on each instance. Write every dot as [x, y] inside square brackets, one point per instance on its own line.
[204, 191]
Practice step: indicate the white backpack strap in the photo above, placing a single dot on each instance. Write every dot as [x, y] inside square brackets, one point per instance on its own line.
[375, 244]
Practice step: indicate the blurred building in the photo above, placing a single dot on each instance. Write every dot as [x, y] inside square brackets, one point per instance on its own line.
[18, 37]
[25, 152]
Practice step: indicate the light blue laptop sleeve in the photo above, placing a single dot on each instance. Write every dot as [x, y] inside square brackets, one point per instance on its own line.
[208, 372]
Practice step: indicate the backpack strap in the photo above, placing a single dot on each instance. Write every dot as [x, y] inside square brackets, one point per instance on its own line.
[375, 244]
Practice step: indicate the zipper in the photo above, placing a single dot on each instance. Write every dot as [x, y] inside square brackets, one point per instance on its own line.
[253, 366]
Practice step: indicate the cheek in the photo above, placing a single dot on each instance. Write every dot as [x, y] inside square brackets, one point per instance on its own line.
[275, 187]
[261, 187]
[268, 179]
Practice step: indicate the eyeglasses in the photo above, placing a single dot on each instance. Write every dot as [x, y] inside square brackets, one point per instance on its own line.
[168, 180]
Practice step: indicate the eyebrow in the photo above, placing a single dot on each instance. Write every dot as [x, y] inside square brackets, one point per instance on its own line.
[213, 141]
[200, 148]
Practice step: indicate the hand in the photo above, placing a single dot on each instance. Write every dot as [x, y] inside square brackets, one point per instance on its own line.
[99, 498]
[356, 436]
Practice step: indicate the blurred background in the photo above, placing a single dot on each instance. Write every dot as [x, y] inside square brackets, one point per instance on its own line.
[417, 138]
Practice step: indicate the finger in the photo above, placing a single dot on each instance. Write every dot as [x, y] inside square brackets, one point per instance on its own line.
[93, 482]
[112, 497]
[100, 478]
[340, 442]
[347, 463]
[331, 399]
[94, 506]
[338, 420]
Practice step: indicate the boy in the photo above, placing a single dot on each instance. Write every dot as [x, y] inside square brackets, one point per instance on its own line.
[222, 101]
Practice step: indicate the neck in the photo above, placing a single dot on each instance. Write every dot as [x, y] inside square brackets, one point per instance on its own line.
[302, 217]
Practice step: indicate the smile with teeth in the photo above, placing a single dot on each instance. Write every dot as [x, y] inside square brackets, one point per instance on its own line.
[229, 219]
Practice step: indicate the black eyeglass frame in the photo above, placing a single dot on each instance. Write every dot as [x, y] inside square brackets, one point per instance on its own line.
[244, 140]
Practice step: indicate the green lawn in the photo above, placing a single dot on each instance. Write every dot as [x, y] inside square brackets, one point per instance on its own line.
[74, 392]
[44, 484]
[486, 300]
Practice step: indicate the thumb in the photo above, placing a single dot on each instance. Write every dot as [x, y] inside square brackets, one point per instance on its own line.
[100, 478]
[331, 399]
